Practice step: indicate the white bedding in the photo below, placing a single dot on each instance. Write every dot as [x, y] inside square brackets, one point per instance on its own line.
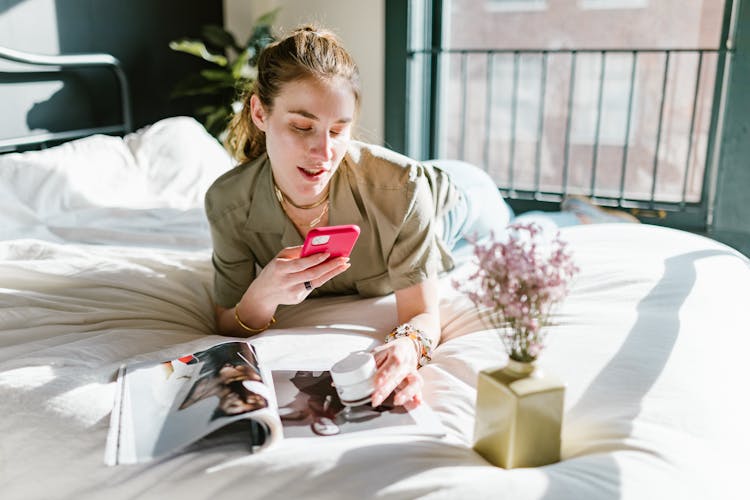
[652, 343]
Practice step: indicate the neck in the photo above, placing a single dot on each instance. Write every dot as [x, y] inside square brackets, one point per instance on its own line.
[284, 198]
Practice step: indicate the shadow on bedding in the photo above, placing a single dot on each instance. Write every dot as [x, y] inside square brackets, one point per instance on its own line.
[665, 300]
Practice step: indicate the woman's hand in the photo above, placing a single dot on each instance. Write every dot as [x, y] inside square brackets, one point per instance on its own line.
[397, 360]
[283, 279]
[397, 370]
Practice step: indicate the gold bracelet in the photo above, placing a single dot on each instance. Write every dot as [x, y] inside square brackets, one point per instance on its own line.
[249, 329]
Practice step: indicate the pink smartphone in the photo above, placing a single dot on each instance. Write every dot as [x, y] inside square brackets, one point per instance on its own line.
[336, 240]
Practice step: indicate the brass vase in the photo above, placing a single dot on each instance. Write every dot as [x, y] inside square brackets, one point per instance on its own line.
[518, 416]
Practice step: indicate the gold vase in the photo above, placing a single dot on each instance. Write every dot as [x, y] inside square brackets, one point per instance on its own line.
[518, 416]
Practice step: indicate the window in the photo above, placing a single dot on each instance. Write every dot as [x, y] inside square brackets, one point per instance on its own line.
[552, 98]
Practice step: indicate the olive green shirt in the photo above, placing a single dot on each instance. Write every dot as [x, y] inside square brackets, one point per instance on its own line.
[394, 200]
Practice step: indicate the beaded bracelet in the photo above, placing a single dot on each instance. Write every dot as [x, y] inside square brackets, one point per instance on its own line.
[421, 340]
[251, 329]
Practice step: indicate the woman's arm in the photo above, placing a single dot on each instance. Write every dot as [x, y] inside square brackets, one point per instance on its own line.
[397, 361]
[282, 281]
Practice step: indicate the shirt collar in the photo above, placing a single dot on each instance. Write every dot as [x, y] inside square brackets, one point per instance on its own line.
[267, 216]
[344, 207]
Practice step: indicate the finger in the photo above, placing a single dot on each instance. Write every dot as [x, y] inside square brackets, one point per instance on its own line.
[389, 375]
[413, 378]
[414, 402]
[323, 271]
[296, 265]
[409, 389]
[380, 353]
[323, 278]
[289, 252]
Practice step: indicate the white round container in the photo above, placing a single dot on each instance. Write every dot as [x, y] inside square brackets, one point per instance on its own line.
[354, 377]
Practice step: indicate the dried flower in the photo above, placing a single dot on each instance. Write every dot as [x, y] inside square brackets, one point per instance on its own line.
[516, 284]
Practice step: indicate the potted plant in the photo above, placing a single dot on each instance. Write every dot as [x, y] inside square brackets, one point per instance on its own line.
[517, 283]
[234, 69]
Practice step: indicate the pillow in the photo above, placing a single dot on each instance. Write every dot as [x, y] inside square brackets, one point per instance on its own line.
[168, 164]
[90, 172]
[179, 159]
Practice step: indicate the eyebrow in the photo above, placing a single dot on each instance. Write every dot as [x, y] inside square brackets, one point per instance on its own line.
[311, 116]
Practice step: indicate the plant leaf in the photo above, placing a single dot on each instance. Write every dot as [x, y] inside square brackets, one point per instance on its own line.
[261, 35]
[197, 85]
[218, 75]
[219, 37]
[197, 48]
[217, 121]
[239, 63]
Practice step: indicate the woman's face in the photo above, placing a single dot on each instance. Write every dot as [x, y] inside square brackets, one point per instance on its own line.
[231, 373]
[307, 134]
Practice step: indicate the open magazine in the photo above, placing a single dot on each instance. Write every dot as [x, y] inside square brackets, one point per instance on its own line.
[161, 407]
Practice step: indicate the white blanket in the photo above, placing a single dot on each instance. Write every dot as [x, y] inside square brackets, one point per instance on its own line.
[652, 343]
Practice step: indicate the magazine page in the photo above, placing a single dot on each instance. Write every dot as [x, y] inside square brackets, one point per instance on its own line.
[165, 406]
[309, 406]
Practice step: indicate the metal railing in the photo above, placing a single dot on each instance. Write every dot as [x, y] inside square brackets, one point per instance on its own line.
[631, 128]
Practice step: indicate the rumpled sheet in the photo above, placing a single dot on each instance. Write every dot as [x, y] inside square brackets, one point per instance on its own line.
[652, 343]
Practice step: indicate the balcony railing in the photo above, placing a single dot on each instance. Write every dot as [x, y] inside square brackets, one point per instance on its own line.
[631, 128]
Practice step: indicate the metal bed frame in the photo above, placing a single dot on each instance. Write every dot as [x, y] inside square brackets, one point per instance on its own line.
[74, 61]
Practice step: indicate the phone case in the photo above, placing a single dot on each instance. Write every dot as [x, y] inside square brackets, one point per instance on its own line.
[336, 240]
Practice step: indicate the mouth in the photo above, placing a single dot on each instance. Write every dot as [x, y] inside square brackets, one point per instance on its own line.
[312, 173]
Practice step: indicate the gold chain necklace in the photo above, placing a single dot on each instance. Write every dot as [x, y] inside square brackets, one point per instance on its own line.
[313, 222]
[319, 218]
[283, 198]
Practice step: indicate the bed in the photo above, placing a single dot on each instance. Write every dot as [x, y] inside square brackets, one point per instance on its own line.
[105, 259]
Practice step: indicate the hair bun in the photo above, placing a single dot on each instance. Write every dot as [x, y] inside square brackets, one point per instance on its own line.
[309, 28]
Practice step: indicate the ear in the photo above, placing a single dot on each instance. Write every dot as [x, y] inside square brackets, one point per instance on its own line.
[258, 113]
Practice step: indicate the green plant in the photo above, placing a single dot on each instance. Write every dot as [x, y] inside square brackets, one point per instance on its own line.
[235, 69]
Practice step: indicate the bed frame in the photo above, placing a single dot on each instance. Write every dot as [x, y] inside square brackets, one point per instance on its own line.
[33, 62]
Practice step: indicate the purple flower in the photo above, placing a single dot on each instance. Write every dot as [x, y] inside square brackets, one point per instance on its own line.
[517, 282]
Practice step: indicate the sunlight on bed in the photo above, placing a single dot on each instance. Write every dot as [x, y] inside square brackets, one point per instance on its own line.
[28, 377]
[87, 404]
[347, 327]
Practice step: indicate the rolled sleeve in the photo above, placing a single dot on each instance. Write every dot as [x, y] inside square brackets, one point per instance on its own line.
[415, 255]
[234, 266]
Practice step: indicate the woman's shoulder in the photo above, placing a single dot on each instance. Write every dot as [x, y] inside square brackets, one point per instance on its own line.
[232, 189]
[380, 167]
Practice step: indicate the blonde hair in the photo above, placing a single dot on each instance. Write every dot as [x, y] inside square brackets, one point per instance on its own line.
[308, 52]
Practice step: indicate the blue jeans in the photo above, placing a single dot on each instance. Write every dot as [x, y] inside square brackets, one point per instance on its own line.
[481, 210]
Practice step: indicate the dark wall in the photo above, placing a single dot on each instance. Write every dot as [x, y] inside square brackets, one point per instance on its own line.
[137, 32]
[731, 222]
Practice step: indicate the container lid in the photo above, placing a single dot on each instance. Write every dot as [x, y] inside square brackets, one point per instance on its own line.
[356, 367]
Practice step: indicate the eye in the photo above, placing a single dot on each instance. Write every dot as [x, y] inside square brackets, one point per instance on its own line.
[335, 132]
[301, 129]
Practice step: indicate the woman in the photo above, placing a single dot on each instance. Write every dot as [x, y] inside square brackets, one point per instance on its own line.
[300, 169]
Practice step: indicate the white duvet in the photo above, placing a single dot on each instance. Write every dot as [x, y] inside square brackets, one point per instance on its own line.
[105, 259]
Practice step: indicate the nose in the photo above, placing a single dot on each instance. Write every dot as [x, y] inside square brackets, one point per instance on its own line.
[321, 146]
